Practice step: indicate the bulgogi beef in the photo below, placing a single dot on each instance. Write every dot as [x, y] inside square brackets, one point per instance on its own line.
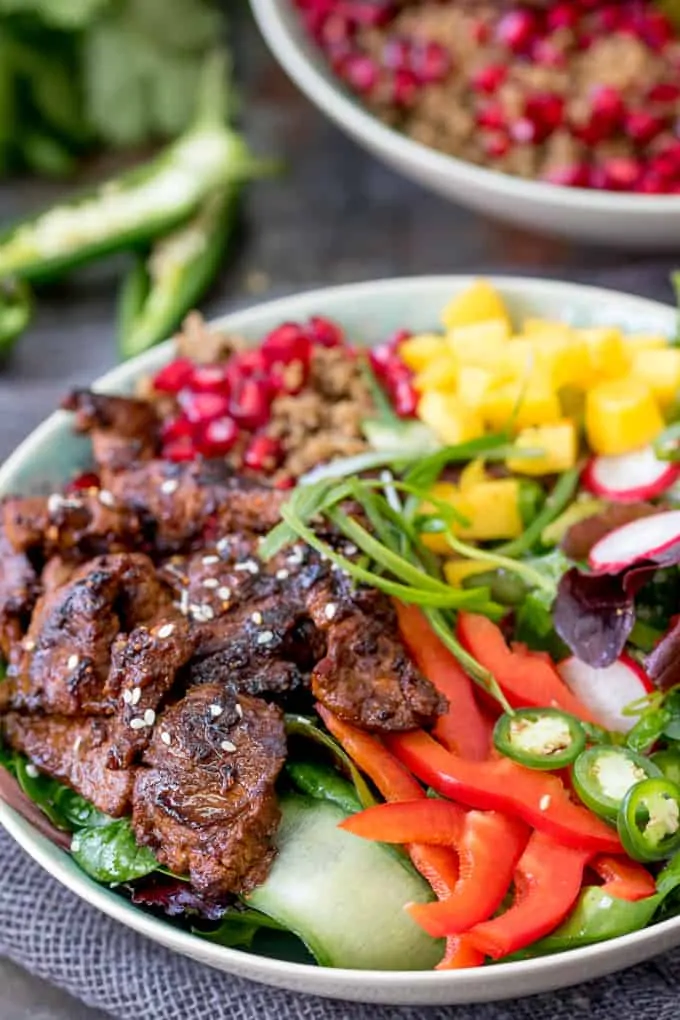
[151, 651]
[206, 804]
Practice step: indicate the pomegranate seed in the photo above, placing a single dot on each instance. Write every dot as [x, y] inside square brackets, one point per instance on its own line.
[209, 379]
[642, 126]
[655, 29]
[396, 54]
[491, 115]
[180, 450]
[246, 365]
[174, 377]
[218, 437]
[202, 407]
[263, 453]
[176, 428]
[607, 113]
[563, 15]
[250, 403]
[336, 30]
[574, 175]
[287, 482]
[285, 344]
[430, 62]
[585, 40]
[622, 173]
[405, 398]
[405, 88]
[546, 110]
[524, 131]
[666, 165]
[85, 480]
[372, 13]
[488, 79]
[609, 18]
[517, 30]
[664, 92]
[325, 333]
[651, 184]
[384, 360]
[360, 73]
[495, 144]
[481, 30]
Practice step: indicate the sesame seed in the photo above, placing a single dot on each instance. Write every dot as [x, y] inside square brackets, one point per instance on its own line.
[223, 546]
[76, 744]
[224, 593]
[169, 486]
[257, 617]
[28, 644]
[282, 574]
[350, 549]
[544, 802]
[295, 557]
[216, 711]
[330, 610]
[54, 502]
[137, 724]
[166, 630]
[210, 582]
[227, 745]
[75, 845]
[106, 498]
[73, 661]
[127, 697]
[149, 717]
[239, 711]
[165, 737]
[32, 771]
[264, 637]
[208, 561]
[184, 601]
[248, 566]
[201, 612]
[135, 695]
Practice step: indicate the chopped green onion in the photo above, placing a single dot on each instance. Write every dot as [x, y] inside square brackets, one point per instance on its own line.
[561, 495]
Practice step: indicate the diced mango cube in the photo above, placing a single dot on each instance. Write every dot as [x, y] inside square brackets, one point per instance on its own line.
[645, 341]
[490, 507]
[607, 352]
[481, 344]
[418, 351]
[474, 473]
[660, 369]
[565, 358]
[532, 402]
[546, 327]
[517, 359]
[478, 303]
[440, 374]
[455, 571]
[559, 443]
[621, 415]
[473, 383]
[450, 420]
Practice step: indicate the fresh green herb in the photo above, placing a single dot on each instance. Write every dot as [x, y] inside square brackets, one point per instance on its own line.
[302, 727]
[110, 854]
[238, 928]
[667, 443]
[556, 502]
[64, 808]
[323, 783]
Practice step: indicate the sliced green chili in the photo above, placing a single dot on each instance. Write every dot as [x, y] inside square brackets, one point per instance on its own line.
[669, 763]
[540, 738]
[602, 776]
[649, 820]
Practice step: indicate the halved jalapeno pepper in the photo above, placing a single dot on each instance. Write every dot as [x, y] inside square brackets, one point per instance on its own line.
[649, 820]
[602, 776]
[540, 738]
[669, 763]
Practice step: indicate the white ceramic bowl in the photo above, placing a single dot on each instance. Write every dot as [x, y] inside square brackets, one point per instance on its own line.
[615, 219]
[369, 311]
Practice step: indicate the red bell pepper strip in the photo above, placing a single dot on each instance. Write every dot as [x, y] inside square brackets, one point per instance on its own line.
[519, 648]
[437, 865]
[463, 729]
[538, 798]
[460, 954]
[547, 883]
[526, 680]
[490, 846]
[430, 821]
[623, 878]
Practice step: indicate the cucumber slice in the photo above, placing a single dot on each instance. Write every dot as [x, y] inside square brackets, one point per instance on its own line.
[343, 896]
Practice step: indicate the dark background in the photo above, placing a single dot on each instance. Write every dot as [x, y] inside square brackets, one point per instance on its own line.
[336, 216]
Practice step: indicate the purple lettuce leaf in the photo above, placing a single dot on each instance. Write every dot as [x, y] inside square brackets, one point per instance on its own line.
[175, 898]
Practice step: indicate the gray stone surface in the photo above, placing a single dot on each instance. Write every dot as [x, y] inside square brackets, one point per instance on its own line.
[335, 216]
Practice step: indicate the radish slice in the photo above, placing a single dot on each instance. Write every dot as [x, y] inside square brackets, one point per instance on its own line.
[631, 477]
[655, 538]
[606, 692]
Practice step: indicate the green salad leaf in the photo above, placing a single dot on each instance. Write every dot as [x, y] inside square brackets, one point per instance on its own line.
[109, 853]
[238, 928]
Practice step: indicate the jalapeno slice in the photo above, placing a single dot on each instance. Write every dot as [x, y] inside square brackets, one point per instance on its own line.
[602, 776]
[649, 820]
[541, 738]
[669, 763]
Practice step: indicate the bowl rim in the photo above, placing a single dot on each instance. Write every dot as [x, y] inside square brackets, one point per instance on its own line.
[324, 981]
[349, 114]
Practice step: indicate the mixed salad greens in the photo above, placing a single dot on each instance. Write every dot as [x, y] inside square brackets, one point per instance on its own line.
[534, 565]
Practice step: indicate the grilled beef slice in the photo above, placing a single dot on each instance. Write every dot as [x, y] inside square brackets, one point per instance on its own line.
[206, 804]
[123, 430]
[19, 589]
[75, 752]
